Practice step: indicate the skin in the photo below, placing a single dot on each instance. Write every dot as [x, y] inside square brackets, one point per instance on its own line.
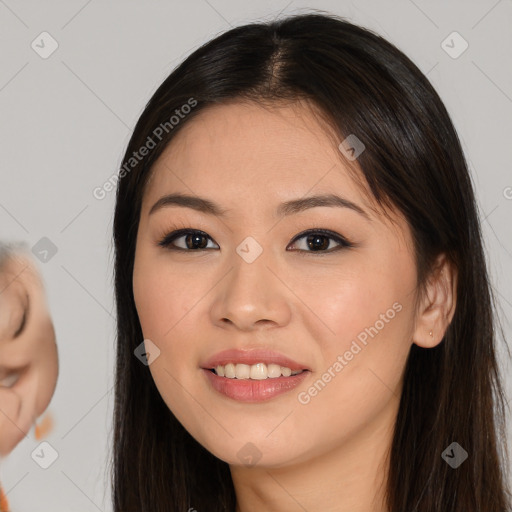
[31, 355]
[328, 454]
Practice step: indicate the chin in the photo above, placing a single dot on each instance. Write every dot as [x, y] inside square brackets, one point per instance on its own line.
[260, 452]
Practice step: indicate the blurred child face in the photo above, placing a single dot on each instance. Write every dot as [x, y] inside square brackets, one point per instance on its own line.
[336, 302]
[28, 352]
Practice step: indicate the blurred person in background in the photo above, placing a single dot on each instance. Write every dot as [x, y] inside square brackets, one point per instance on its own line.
[28, 351]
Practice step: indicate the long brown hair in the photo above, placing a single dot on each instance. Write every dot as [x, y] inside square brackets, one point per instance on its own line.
[413, 162]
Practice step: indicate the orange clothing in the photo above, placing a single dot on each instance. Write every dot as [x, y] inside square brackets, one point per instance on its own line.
[41, 430]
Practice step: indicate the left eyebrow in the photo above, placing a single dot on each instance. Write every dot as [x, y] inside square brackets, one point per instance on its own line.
[331, 200]
[291, 207]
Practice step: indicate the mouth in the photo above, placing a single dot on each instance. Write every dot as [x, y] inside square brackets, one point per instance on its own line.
[253, 375]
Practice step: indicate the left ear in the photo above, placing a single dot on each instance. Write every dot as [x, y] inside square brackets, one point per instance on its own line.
[437, 306]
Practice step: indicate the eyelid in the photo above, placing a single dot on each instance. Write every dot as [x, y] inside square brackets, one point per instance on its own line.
[21, 328]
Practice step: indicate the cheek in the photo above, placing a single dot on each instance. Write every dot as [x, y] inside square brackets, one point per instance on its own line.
[162, 298]
[359, 379]
[370, 301]
[366, 330]
[161, 308]
[166, 303]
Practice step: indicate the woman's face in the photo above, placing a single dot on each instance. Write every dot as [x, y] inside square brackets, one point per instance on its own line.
[344, 313]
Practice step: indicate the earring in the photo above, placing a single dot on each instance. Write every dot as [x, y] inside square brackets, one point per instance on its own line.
[431, 334]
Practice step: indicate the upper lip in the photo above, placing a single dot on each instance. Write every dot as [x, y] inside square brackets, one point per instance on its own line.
[252, 356]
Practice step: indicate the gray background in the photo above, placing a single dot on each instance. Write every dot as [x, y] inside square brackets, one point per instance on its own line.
[65, 122]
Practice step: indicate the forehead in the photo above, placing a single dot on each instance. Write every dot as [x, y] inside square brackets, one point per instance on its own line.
[241, 152]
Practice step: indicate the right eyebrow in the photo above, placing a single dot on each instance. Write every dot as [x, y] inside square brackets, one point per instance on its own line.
[195, 202]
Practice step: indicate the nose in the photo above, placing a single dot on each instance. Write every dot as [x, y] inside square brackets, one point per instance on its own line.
[251, 296]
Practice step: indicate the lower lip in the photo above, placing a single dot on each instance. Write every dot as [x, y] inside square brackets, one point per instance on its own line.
[249, 390]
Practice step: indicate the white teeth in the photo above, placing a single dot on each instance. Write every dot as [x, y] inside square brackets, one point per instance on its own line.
[274, 370]
[229, 371]
[286, 372]
[243, 371]
[259, 371]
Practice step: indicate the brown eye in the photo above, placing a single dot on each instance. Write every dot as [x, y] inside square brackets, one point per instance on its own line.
[194, 240]
[319, 241]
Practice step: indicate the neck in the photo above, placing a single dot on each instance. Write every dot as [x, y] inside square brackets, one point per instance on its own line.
[349, 477]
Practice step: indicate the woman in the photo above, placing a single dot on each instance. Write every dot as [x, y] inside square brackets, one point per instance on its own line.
[28, 351]
[305, 320]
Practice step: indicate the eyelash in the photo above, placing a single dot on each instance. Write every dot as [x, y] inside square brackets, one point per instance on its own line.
[167, 240]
